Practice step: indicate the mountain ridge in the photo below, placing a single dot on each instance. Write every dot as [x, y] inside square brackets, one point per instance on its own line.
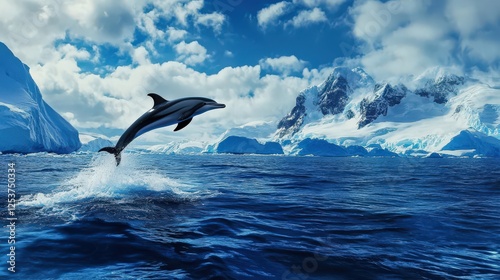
[423, 113]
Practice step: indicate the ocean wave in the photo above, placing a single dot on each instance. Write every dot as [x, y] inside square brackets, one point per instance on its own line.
[102, 179]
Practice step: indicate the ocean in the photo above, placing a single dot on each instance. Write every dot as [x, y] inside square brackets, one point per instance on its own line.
[249, 217]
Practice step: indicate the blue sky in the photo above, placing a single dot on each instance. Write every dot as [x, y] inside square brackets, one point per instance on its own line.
[95, 60]
[241, 40]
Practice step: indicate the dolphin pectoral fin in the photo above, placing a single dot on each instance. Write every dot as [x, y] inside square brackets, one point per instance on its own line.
[183, 124]
[157, 99]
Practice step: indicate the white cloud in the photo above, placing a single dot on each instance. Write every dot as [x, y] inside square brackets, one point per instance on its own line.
[146, 23]
[469, 17]
[478, 25]
[192, 53]
[175, 35]
[283, 64]
[214, 20]
[31, 27]
[407, 37]
[188, 12]
[70, 51]
[119, 98]
[315, 3]
[228, 53]
[308, 17]
[140, 55]
[272, 13]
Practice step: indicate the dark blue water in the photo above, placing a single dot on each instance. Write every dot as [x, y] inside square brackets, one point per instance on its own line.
[251, 217]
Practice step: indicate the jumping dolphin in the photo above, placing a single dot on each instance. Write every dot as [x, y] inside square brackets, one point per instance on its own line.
[164, 113]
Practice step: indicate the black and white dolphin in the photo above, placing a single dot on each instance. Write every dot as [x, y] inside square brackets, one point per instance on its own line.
[164, 113]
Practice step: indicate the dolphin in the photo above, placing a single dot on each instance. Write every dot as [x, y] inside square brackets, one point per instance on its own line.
[164, 113]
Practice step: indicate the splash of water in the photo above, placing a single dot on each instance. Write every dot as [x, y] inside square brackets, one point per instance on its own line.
[102, 179]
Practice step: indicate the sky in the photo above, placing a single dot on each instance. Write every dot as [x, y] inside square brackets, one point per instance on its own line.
[95, 60]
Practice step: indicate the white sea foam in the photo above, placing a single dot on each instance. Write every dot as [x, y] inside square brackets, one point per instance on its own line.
[102, 179]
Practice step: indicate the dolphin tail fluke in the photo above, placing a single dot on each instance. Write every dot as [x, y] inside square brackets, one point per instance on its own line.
[114, 151]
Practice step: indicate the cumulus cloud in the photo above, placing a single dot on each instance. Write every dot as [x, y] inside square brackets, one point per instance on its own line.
[407, 37]
[140, 55]
[313, 13]
[32, 27]
[272, 13]
[188, 11]
[118, 98]
[315, 3]
[175, 35]
[146, 23]
[308, 17]
[284, 64]
[214, 20]
[478, 24]
[191, 53]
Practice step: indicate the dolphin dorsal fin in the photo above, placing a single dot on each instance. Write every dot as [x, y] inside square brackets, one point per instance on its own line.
[157, 99]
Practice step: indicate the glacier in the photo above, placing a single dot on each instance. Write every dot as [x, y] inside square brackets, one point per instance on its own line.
[27, 123]
[419, 115]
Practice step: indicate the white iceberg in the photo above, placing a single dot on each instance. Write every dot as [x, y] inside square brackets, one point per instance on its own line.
[27, 123]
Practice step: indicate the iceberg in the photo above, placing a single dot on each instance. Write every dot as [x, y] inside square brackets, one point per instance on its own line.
[357, 151]
[375, 150]
[93, 142]
[27, 123]
[474, 143]
[244, 145]
[319, 147]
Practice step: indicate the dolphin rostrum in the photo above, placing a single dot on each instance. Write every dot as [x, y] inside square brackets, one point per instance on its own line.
[164, 113]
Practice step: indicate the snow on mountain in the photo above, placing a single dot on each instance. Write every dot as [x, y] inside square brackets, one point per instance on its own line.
[329, 98]
[385, 96]
[93, 142]
[417, 115]
[27, 123]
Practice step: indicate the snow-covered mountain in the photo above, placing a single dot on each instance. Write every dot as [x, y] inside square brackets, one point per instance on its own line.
[27, 123]
[413, 115]
[329, 98]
